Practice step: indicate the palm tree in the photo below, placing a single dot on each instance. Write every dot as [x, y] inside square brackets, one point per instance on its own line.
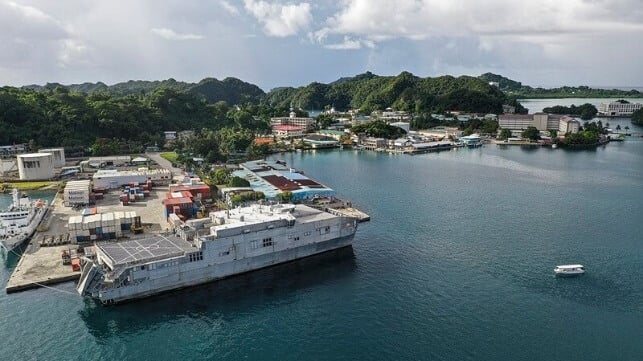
[618, 127]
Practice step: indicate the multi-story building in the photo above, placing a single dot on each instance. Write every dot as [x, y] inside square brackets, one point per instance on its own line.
[541, 121]
[292, 119]
[371, 143]
[618, 109]
[287, 131]
[568, 125]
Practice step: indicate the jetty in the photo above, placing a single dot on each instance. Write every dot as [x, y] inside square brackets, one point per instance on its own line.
[40, 268]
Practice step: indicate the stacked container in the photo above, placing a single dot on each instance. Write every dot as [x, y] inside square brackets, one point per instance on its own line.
[97, 227]
[77, 193]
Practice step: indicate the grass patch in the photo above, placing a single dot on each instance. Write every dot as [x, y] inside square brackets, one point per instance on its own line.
[171, 156]
[29, 186]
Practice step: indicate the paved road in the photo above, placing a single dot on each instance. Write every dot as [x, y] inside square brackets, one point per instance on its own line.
[155, 156]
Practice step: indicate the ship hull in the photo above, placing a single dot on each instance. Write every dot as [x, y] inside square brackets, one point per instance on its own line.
[214, 272]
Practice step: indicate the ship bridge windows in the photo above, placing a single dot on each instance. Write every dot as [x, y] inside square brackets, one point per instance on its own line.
[197, 256]
[267, 242]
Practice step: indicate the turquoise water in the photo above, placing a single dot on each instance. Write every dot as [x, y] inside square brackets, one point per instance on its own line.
[456, 264]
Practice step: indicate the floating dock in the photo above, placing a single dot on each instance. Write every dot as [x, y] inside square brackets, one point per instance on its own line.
[43, 267]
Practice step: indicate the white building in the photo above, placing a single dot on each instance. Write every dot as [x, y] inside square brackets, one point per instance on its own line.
[541, 121]
[618, 109]
[568, 125]
[112, 178]
[35, 166]
[305, 122]
[58, 156]
[288, 131]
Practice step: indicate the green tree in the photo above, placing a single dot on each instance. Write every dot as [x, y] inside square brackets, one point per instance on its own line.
[238, 182]
[221, 175]
[285, 196]
[531, 133]
[637, 117]
[504, 133]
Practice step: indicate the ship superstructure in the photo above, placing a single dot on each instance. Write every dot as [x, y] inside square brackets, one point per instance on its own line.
[19, 222]
[240, 240]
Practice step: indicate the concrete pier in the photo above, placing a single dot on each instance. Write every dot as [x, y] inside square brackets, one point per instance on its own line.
[43, 267]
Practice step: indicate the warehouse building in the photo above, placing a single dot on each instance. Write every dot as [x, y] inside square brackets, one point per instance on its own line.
[35, 166]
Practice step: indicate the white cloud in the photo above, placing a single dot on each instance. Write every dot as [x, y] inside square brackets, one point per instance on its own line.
[229, 7]
[280, 20]
[170, 34]
[351, 44]
[535, 21]
[72, 52]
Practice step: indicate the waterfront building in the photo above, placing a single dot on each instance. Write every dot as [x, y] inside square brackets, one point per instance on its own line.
[541, 121]
[371, 143]
[273, 178]
[320, 141]
[35, 166]
[287, 131]
[336, 134]
[170, 135]
[568, 125]
[618, 109]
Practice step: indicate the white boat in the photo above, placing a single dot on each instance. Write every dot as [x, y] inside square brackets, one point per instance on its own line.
[19, 222]
[240, 240]
[569, 270]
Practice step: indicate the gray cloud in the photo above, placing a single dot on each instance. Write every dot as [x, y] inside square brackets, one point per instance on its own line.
[293, 42]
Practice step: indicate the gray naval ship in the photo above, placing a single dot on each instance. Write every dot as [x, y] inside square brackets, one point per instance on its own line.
[241, 240]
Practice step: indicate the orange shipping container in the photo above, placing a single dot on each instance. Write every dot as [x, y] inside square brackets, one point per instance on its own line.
[75, 265]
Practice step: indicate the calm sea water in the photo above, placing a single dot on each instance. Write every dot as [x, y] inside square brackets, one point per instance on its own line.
[456, 264]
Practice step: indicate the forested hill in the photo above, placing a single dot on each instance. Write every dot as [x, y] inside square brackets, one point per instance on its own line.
[402, 92]
[366, 92]
[231, 90]
[517, 89]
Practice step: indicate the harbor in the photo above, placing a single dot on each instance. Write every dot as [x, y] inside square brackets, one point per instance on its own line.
[72, 231]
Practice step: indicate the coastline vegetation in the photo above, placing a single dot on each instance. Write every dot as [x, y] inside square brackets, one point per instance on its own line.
[517, 89]
[585, 112]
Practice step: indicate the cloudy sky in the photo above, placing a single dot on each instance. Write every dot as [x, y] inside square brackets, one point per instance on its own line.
[292, 43]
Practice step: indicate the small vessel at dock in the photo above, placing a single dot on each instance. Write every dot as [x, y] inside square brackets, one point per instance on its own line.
[569, 270]
[19, 222]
